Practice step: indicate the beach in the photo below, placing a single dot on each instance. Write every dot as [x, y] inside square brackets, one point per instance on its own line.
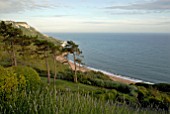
[111, 76]
[81, 68]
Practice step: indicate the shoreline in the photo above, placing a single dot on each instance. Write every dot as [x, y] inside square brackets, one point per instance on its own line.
[112, 76]
[121, 78]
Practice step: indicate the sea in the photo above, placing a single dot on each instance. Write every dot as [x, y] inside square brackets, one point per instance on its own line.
[141, 57]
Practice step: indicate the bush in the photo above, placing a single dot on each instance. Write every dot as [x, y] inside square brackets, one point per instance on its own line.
[162, 87]
[105, 95]
[144, 85]
[96, 75]
[31, 76]
[66, 75]
[11, 85]
[125, 98]
[111, 95]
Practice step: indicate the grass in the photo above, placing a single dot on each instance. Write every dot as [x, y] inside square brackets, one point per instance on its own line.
[71, 86]
[48, 100]
[63, 97]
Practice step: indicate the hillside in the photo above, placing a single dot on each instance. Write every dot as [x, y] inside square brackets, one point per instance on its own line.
[28, 60]
[31, 31]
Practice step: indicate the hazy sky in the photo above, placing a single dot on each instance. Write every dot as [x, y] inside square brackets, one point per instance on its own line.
[90, 15]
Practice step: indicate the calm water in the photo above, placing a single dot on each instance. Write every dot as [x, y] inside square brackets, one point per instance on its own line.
[140, 56]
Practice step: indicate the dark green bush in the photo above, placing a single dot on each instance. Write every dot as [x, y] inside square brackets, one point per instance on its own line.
[111, 95]
[96, 75]
[5, 62]
[66, 75]
[158, 103]
[42, 73]
[97, 82]
[106, 95]
[162, 87]
[144, 85]
[125, 98]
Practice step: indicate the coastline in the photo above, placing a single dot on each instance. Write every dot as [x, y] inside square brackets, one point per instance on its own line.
[114, 77]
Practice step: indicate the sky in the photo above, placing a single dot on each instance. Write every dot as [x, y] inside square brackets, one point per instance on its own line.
[107, 16]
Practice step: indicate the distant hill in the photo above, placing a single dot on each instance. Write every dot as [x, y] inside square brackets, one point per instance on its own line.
[30, 31]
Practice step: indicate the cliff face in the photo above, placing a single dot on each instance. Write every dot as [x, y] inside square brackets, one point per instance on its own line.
[31, 31]
[22, 24]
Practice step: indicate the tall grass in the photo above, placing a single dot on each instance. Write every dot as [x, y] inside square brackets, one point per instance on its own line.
[51, 101]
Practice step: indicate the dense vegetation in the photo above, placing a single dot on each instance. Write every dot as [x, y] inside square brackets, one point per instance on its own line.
[24, 58]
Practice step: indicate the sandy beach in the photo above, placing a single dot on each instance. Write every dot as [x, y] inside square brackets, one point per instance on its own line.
[112, 77]
[86, 69]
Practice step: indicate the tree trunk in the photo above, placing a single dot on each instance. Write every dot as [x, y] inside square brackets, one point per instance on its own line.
[79, 65]
[55, 72]
[23, 54]
[15, 59]
[69, 62]
[48, 69]
[11, 57]
[75, 69]
[14, 55]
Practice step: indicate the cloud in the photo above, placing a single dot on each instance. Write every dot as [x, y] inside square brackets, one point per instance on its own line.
[15, 6]
[60, 15]
[52, 16]
[97, 22]
[136, 12]
[129, 22]
[159, 5]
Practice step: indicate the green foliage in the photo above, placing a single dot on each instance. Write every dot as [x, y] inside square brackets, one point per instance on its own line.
[162, 87]
[130, 94]
[106, 95]
[73, 48]
[12, 86]
[153, 97]
[159, 86]
[98, 79]
[96, 75]
[47, 100]
[143, 84]
[5, 61]
[130, 100]
[31, 76]
[66, 75]
[124, 88]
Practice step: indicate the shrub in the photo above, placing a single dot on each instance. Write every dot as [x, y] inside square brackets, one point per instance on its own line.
[124, 98]
[144, 85]
[111, 95]
[97, 82]
[118, 86]
[66, 75]
[162, 87]
[31, 76]
[11, 85]
[96, 75]
[4, 61]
